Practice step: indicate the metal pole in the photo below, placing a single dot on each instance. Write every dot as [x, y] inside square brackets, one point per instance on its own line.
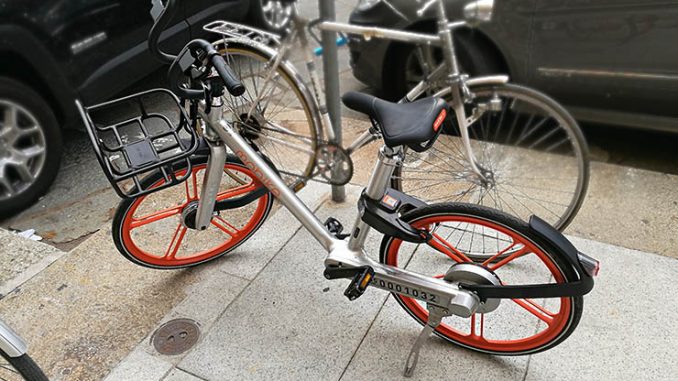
[331, 72]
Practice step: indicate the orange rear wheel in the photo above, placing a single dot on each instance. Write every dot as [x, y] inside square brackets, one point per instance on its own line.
[517, 326]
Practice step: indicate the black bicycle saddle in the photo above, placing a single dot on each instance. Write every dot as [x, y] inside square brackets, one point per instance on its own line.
[414, 124]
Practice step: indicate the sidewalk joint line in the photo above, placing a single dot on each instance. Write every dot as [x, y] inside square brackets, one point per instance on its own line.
[191, 373]
[527, 367]
[367, 331]
[249, 282]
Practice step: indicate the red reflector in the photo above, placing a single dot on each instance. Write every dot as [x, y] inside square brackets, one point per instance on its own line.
[389, 201]
[596, 269]
[439, 120]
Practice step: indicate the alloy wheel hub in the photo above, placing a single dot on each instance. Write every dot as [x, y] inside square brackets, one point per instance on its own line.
[475, 274]
[22, 149]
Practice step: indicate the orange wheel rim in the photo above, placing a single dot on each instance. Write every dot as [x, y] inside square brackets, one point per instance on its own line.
[232, 235]
[556, 321]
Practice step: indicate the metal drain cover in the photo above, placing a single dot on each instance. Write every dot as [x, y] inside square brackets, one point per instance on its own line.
[176, 336]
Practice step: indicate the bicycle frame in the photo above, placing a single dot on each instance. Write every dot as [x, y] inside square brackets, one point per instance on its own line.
[456, 84]
[437, 292]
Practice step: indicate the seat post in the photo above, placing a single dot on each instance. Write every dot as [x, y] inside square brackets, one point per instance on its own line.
[389, 158]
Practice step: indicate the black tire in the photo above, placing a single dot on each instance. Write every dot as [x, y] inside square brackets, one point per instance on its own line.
[511, 223]
[474, 55]
[119, 233]
[263, 19]
[567, 189]
[30, 103]
[27, 368]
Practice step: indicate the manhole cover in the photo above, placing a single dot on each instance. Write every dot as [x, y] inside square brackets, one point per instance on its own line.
[176, 336]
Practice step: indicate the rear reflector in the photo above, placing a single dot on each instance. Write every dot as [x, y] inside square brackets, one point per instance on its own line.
[590, 265]
[439, 120]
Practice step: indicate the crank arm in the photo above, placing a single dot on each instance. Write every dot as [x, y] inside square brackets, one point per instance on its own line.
[434, 291]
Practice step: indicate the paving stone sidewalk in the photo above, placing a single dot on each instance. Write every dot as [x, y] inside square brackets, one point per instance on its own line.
[280, 319]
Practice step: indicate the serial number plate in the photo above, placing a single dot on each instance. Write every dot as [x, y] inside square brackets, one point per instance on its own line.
[413, 292]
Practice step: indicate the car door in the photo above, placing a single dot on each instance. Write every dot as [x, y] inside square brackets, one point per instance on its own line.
[200, 12]
[104, 43]
[607, 54]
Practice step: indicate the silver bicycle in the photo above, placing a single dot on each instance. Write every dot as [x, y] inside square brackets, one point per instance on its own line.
[509, 147]
[15, 363]
[525, 302]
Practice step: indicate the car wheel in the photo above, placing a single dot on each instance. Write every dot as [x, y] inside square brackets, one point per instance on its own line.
[30, 146]
[272, 15]
[475, 58]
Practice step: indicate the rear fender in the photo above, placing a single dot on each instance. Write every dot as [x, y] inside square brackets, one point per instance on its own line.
[584, 265]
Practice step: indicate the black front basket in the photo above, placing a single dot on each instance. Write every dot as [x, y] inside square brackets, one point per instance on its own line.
[138, 136]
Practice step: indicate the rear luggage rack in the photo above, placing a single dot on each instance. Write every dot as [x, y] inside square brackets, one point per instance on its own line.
[233, 30]
[139, 135]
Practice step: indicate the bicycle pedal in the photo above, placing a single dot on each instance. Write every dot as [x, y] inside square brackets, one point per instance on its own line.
[359, 284]
[335, 228]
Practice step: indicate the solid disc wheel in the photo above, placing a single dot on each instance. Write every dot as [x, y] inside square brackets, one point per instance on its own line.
[273, 112]
[530, 151]
[19, 368]
[151, 231]
[517, 326]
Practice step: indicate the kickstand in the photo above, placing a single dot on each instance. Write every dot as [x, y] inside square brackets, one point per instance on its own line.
[435, 315]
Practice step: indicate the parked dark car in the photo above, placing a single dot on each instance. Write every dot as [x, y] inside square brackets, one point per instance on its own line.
[608, 61]
[54, 51]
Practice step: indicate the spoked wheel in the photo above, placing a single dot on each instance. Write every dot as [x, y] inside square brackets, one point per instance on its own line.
[153, 231]
[516, 326]
[19, 368]
[274, 112]
[531, 154]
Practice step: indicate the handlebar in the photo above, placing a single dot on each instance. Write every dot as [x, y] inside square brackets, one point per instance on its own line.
[197, 53]
[233, 84]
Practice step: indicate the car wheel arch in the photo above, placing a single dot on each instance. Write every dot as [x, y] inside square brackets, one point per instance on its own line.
[46, 81]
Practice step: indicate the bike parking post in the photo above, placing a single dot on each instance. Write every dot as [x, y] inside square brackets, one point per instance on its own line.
[331, 72]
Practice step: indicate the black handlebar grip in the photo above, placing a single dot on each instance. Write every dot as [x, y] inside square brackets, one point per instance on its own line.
[233, 84]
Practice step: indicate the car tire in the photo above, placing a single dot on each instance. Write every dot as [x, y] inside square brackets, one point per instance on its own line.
[475, 56]
[40, 148]
[271, 15]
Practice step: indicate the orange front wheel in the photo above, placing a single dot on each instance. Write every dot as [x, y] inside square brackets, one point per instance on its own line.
[153, 230]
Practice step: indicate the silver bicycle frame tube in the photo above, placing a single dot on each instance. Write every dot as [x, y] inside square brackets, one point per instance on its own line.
[382, 33]
[214, 172]
[431, 290]
[10, 342]
[274, 183]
